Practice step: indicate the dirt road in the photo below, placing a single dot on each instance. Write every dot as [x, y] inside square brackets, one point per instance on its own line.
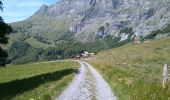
[88, 84]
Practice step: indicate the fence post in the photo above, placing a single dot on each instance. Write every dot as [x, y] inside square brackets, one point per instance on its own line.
[165, 75]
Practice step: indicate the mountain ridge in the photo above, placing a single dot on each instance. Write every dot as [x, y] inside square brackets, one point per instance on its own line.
[88, 16]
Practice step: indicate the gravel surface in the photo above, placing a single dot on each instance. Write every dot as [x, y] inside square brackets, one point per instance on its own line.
[88, 84]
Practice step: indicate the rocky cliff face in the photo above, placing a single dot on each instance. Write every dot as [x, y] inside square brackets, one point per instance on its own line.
[87, 18]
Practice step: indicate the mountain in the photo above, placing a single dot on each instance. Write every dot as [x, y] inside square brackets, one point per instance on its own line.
[98, 24]
[86, 17]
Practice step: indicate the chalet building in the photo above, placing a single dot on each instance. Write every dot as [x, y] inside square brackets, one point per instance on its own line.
[136, 40]
[85, 54]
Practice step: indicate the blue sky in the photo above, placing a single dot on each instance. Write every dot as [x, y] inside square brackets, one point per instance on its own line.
[17, 10]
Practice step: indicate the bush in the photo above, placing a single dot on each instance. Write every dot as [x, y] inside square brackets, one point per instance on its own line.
[153, 34]
[3, 57]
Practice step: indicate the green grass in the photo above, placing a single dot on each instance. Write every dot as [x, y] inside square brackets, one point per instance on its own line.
[135, 72]
[33, 42]
[39, 81]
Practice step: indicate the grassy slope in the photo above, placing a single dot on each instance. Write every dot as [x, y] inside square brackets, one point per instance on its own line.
[131, 71]
[52, 30]
[12, 37]
[41, 81]
[33, 42]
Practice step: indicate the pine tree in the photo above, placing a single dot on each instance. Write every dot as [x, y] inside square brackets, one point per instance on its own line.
[5, 29]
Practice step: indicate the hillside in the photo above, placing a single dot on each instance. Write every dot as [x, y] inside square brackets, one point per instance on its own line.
[135, 71]
[42, 81]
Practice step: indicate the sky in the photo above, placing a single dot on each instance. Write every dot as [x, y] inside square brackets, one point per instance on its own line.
[18, 10]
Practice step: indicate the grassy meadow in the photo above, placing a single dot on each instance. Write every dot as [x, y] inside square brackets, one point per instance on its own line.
[135, 71]
[38, 81]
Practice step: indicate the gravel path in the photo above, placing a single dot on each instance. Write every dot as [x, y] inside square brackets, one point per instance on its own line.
[88, 84]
